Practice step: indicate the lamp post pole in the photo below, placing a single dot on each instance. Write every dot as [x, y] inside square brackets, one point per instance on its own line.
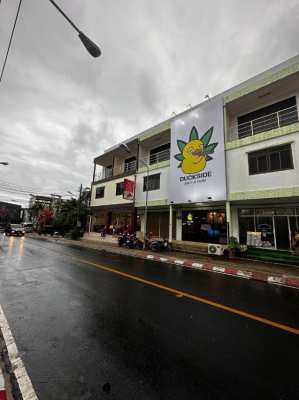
[124, 147]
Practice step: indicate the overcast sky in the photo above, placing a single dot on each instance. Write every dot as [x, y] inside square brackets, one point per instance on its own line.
[59, 107]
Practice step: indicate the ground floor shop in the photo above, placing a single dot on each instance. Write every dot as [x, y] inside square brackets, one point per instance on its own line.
[268, 226]
[114, 219]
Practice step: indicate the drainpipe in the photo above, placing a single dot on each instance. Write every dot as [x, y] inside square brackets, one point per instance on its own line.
[170, 222]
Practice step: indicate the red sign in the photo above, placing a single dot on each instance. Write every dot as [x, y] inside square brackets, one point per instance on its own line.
[129, 187]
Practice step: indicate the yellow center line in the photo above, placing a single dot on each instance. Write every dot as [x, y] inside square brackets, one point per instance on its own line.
[179, 293]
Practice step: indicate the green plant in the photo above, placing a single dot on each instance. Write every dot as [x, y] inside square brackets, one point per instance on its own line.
[233, 243]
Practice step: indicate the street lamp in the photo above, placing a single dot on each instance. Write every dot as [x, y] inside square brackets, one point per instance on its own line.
[90, 46]
[3, 162]
[124, 147]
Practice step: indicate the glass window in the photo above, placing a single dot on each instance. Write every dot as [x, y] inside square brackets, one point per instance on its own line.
[246, 224]
[153, 182]
[269, 160]
[265, 226]
[119, 188]
[100, 191]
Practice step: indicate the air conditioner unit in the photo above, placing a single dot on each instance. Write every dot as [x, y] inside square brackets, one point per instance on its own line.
[215, 249]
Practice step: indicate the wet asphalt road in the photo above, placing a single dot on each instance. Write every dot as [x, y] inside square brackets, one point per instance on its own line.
[78, 327]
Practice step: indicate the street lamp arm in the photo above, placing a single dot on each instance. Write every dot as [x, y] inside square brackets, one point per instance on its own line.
[65, 16]
[90, 46]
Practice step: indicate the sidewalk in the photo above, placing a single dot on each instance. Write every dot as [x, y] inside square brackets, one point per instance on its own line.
[285, 275]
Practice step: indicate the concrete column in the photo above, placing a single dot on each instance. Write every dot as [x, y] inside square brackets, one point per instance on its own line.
[170, 222]
[228, 219]
[179, 225]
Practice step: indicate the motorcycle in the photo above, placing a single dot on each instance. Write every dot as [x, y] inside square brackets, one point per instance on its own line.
[126, 240]
[158, 244]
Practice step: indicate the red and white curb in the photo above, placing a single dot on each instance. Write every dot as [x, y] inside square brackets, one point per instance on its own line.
[233, 271]
[16, 364]
[2, 387]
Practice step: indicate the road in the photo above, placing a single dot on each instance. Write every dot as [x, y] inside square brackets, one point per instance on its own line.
[83, 318]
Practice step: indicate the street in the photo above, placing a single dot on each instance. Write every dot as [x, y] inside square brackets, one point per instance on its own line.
[83, 319]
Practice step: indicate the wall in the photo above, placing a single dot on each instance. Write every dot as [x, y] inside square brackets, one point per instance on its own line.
[109, 197]
[239, 179]
[159, 196]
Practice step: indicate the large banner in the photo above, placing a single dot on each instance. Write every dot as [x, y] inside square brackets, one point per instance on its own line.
[129, 187]
[197, 162]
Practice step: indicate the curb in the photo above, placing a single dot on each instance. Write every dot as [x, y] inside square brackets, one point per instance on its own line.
[21, 384]
[2, 387]
[232, 271]
[278, 280]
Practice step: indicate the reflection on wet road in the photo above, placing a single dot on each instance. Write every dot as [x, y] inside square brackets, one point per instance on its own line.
[79, 326]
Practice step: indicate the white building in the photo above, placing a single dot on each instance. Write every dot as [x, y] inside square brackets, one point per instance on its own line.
[248, 180]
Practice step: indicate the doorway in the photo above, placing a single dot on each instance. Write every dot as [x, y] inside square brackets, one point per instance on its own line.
[282, 232]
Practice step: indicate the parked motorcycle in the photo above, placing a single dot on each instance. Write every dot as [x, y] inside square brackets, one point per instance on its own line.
[158, 244]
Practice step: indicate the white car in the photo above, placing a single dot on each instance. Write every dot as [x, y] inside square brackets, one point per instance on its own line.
[15, 230]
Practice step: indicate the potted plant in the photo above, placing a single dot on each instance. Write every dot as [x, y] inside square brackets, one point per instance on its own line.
[233, 247]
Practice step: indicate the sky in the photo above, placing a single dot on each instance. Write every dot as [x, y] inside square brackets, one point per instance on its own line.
[59, 107]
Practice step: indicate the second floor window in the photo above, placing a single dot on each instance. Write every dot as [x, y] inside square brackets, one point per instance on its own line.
[130, 164]
[160, 153]
[100, 192]
[153, 182]
[119, 188]
[277, 158]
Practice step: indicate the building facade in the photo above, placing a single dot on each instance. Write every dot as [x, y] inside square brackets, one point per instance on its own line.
[227, 167]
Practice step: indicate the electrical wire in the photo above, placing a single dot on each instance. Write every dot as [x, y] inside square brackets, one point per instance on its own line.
[10, 40]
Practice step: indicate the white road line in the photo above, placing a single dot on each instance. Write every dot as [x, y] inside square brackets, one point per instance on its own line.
[18, 368]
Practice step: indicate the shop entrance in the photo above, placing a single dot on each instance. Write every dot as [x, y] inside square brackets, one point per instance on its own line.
[282, 232]
[207, 226]
[276, 226]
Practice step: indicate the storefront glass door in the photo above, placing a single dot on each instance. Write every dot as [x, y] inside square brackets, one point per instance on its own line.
[282, 232]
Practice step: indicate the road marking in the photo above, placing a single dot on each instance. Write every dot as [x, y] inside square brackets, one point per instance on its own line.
[199, 299]
[17, 366]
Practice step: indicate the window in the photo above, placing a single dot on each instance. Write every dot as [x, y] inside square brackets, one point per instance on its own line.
[119, 188]
[160, 153]
[100, 191]
[130, 164]
[153, 182]
[269, 160]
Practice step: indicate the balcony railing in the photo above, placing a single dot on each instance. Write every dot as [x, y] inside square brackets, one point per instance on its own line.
[161, 156]
[130, 166]
[265, 123]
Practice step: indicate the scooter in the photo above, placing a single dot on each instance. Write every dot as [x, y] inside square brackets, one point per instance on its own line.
[158, 244]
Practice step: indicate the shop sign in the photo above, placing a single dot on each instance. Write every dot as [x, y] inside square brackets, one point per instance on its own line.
[197, 164]
[129, 188]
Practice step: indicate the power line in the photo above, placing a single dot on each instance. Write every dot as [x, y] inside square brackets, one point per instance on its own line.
[10, 40]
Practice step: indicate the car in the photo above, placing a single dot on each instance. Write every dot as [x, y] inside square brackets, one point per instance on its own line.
[15, 230]
[28, 227]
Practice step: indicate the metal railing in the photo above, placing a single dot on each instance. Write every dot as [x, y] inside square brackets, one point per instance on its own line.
[161, 156]
[265, 123]
[130, 166]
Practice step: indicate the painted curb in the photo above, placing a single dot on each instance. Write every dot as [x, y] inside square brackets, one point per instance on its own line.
[232, 271]
[14, 362]
[278, 280]
[2, 387]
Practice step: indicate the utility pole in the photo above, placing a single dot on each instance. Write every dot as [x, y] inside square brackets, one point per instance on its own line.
[78, 207]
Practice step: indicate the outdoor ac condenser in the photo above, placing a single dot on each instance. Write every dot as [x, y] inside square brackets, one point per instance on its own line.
[215, 249]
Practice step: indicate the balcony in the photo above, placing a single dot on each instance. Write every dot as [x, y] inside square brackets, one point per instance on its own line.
[265, 123]
[159, 156]
[130, 166]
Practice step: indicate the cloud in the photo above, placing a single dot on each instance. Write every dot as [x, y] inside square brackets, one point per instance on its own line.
[59, 108]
